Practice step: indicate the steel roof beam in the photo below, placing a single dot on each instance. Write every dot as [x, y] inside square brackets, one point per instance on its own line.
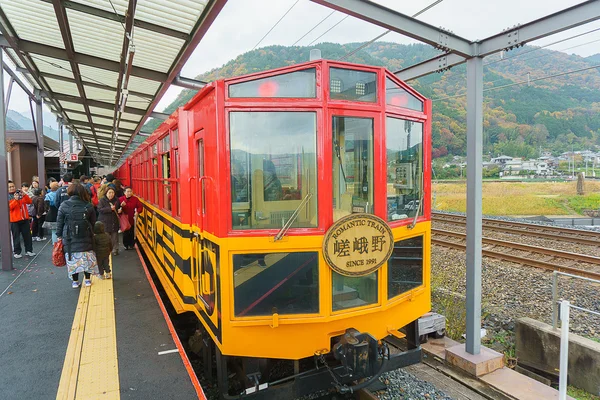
[9, 36]
[88, 125]
[438, 64]
[125, 67]
[88, 83]
[16, 78]
[210, 12]
[70, 110]
[120, 18]
[514, 37]
[549, 25]
[403, 24]
[96, 103]
[65, 30]
[85, 59]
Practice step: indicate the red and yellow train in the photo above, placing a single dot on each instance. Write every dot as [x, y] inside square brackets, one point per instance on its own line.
[290, 211]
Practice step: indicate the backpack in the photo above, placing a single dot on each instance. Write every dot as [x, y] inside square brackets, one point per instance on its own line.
[78, 226]
[31, 210]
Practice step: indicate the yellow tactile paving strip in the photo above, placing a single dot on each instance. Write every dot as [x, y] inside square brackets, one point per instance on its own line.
[91, 370]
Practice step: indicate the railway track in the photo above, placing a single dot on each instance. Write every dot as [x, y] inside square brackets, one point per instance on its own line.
[534, 256]
[524, 228]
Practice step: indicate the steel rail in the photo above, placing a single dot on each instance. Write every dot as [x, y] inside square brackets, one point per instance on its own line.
[520, 260]
[524, 228]
[525, 247]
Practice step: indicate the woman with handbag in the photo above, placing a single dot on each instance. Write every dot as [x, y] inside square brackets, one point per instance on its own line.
[76, 217]
[131, 205]
[109, 209]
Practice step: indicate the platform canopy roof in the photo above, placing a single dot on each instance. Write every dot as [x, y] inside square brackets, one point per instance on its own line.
[103, 65]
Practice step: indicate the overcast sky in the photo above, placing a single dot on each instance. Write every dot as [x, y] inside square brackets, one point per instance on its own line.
[242, 24]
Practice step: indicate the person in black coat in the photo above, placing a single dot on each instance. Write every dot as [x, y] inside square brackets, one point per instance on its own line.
[108, 208]
[78, 246]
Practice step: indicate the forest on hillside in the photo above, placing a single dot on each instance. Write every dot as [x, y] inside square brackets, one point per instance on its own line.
[554, 114]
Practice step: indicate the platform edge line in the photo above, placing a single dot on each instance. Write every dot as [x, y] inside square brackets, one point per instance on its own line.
[184, 357]
[67, 386]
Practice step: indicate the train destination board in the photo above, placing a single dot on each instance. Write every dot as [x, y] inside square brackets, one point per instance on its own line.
[358, 244]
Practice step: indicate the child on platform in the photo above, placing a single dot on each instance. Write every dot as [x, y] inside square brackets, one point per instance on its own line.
[102, 247]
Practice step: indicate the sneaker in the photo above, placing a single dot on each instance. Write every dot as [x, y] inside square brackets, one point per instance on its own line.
[87, 283]
[108, 275]
[75, 284]
[41, 239]
[18, 255]
[35, 239]
[30, 253]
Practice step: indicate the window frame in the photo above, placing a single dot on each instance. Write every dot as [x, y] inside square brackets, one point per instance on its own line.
[238, 101]
[227, 204]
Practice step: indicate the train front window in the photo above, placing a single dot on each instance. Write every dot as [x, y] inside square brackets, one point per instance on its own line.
[273, 169]
[352, 166]
[282, 283]
[404, 168]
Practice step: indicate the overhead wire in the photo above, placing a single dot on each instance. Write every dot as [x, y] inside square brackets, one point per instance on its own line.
[314, 27]
[523, 82]
[370, 42]
[327, 31]
[276, 23]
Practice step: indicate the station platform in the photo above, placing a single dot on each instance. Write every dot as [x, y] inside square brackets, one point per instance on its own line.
[107, 341]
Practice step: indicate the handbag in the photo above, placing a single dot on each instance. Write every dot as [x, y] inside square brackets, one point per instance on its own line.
[124, 224]
[58, 254]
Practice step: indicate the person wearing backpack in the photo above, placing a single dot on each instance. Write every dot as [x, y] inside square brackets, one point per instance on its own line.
[108, 208]
[61, 193]
[52, 210]
[76, 218]
[39, 215]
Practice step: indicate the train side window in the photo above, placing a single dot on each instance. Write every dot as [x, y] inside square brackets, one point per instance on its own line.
[399, 97]
[405, 267]
[298, 84]
[272, 178]
[404, 143]
[175, 171]
[155, 175]
[166, 172]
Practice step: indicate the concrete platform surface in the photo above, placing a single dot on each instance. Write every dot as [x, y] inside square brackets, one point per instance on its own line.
[513, 384]
[38, 308]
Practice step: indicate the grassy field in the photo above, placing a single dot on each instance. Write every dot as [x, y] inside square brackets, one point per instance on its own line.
[520, 198]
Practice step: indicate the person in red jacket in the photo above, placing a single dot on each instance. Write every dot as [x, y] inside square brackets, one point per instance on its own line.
[19, 220]
[130, 205]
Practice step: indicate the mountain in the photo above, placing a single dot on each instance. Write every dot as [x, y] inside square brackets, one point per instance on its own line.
[556, 113]
[12, 125]
[594, 59]
[23, 122]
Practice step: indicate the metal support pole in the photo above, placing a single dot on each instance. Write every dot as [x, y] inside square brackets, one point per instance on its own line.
[61, 146]
[564, 350]
[39, 122]
[70, 142]
[8, 92]
[5, 244]
[554, 300]
[474, 183]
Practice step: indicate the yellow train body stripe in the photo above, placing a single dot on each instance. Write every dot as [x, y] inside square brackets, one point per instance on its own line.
[90, 369]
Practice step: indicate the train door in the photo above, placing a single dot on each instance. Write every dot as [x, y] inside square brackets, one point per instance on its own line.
[204, 255]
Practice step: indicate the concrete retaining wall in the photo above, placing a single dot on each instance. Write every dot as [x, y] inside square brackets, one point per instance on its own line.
[538, 346]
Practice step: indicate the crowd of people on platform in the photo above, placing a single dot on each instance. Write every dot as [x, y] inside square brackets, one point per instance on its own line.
[83, 215]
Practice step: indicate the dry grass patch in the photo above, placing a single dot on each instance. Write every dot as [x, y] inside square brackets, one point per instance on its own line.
[520, 198]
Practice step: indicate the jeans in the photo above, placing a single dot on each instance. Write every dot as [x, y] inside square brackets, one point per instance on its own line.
[19, 229]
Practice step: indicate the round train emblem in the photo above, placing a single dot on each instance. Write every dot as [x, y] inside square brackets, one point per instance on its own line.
[358, 244]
